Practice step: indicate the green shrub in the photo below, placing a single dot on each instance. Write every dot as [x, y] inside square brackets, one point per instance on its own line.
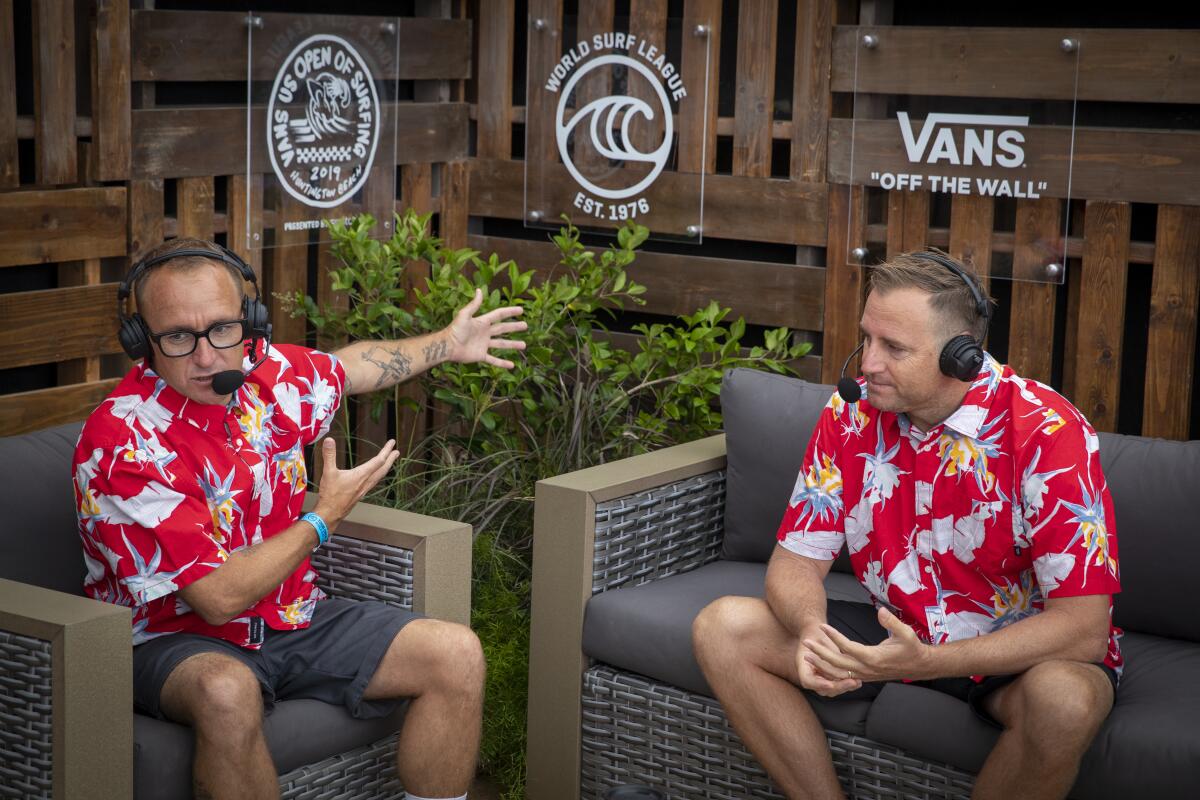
[575, 398]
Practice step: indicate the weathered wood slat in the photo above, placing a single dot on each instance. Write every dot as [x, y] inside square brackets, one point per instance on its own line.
[111, 91]
[146, 204]
[647, 20]
[9, 173]
[544, 45]
[811, 103]
[1141, 166]
[79, 273]
[1134, 65]
[194, 207]
[735, 208]
[50, 325]
[31, 411]
[755, 104]
[1102, 312]
[1170, 349]
[765, 294]
[908, 222]
[697, 125]
[178, 45]
[1002, 242]
[455, 204]
[54, 90]
[63, 225]
[1031, 316]
[245, 219]
[594, 17]
[971, 221]
[844, 281]
[496, 32]
[184, 142]
[287, 270]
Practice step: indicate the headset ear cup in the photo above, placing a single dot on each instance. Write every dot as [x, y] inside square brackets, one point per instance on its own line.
[255, 314]
[961, 358]
[134, 337]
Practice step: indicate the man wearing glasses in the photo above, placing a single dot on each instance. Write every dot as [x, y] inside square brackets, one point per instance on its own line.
[190, 479]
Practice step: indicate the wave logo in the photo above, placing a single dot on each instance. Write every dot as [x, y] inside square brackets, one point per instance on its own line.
[608, 120]
[981, 143]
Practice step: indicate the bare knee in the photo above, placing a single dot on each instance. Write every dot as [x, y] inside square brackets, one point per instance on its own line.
[215, 693]
[1059, 701]
[455, 660]
[725, 626]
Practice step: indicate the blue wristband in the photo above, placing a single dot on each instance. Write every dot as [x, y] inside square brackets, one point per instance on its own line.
[318, 523]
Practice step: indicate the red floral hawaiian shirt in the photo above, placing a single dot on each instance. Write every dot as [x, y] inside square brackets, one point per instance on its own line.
[167, 488]
[968, 527]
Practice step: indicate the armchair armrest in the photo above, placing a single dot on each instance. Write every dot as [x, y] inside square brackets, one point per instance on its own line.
[66, 685]
[411, 560]
[587, 538]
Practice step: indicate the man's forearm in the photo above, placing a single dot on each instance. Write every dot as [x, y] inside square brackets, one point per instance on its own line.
[796, 593]
[371, 366]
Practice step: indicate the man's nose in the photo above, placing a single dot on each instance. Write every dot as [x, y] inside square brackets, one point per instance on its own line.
[205, 353]
[871, 363]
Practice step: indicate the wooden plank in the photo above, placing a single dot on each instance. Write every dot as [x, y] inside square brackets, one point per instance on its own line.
[1141, 166]
[183, 142]
[416, 192]
[754, 106]
[754, 209]
[971, 221]
[648, 21]
[1133, 65]
[844, 281]
[287, 271]
[1031, 316]
[1102, 312]
[54, 91]
[244, 225]
[79, 273]
[10, 176]
[908, 222]
[811, 99]
[763, 293]
[146, 203]
[111, 91]
[496, 31]
[62, 225]
[52, 325]
[698, 65]
[194, 204]
[1170, 349]
[1002, 242]
[594, 17]
[544, 45]
[452, 224]
[24, 412]
[177, 45]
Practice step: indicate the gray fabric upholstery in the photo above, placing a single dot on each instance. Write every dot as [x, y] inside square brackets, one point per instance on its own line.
[768, 421]
[1154, 488]
[39, 541]
[647, 629]
[298, 732]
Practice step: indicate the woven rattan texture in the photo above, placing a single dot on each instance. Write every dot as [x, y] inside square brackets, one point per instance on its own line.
[25, 717]
[368, 773]
[355, 569]
[638, 731]
[663, 531]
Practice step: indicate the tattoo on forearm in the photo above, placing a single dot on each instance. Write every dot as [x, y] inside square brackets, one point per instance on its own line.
[394, 369]
[435, 350]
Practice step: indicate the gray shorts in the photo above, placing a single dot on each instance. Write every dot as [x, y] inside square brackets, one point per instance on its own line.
[332, 659]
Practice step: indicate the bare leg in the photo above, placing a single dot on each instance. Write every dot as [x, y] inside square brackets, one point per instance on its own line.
[749, 659]
[440, 666]
[1050, 715]
[221, 699]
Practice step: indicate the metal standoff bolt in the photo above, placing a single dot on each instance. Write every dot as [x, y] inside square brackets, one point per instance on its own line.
[256, 236]
[860, 254]
[701, 30]
[388, 27]
[693, 231]
[253, 21]
[869, 40]
[1069, 45]
[535, 216]
[1053, 270]
[539, 24]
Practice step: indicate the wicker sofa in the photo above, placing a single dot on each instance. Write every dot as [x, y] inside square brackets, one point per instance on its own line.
[626, 555]
[67, 725]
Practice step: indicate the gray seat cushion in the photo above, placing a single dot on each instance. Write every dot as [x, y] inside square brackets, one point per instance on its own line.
[647, 629]
[1148, 747]
[298, 732]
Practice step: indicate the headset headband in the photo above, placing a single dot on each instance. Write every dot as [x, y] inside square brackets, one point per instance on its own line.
[222, 254]
[981, 306]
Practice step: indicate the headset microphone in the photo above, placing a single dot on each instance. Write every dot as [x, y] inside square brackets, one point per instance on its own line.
[847, 387]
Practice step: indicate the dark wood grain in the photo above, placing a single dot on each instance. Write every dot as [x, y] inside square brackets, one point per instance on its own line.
[63, 225]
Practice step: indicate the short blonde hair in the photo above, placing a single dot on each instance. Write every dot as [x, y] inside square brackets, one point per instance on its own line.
[949, 295]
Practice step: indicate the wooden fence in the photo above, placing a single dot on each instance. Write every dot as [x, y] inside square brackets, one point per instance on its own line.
[100, 159]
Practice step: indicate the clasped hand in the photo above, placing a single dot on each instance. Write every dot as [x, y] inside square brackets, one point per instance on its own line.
[830, 664]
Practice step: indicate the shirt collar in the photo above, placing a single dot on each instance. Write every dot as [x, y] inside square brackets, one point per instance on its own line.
[968, 418]
[210, 418]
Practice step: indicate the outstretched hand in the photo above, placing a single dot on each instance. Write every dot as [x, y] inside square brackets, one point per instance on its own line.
[473, 338]
[341, 489]
[901, 655]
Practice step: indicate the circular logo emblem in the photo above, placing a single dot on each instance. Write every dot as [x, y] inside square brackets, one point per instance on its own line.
[608, 122]
[322, 122]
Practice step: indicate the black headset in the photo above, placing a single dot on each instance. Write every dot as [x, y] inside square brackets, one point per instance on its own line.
[134, 333]
[962, 357]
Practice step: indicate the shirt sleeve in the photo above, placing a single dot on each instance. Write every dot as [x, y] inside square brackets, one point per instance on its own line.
[1069, 518]
[814, 521]
[152, 530]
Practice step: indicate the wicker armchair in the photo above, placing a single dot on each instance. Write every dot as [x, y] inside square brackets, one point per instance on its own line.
[67, 725]
[593, 726]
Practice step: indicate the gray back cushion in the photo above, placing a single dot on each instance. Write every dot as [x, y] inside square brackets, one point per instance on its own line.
[1155, 486]
[768, 421]
[39, 539]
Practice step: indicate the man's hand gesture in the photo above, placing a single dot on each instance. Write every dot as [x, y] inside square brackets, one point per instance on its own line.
[815, 679]
[472, 338]
[901, 655]
[341, 489]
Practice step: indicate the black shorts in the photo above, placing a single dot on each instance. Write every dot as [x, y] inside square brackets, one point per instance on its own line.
[332, 659]
[859, 623]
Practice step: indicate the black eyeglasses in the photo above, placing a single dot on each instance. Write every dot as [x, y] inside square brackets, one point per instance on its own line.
[221, 335]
